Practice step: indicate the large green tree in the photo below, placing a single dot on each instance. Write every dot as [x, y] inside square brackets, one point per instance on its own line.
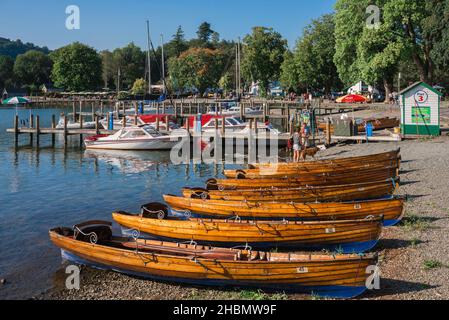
[131, 61]
[312, 63]
[205, 33]
[263, 54]
[6, 71]
[32, 69]
[76, 67]
[200, 68]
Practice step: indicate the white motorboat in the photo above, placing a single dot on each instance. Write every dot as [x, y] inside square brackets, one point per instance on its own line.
[75, 125]
[235, 111]
[133, 138]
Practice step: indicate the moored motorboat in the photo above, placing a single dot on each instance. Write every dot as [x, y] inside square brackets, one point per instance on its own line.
[391, 209]
[347, 192]
[133, 138]
[334, 275]
[347, 236]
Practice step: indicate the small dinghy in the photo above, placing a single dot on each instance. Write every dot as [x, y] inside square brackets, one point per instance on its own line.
[335, 275]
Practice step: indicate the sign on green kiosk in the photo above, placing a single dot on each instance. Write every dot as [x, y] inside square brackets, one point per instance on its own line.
[420, 110]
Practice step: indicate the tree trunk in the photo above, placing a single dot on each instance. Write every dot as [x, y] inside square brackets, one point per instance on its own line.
[388, 89]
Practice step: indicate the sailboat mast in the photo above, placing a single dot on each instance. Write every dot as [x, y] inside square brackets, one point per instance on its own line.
[163, 64]
[149, 57]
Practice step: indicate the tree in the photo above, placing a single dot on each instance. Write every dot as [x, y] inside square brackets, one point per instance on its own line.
[263, 54]
[227, 82]
[289, 77]
[32, 69]
[312, 63]
[199, 68]
[6, 71]
[76, 67]
[14, 48]
[131, 61]
[109, 69]
[363, 52]
[205, 33]
[139, 87]
[177, 45]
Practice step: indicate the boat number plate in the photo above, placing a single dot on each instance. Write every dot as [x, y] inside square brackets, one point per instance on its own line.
[358, 206]
[302, 270]
[330, 230]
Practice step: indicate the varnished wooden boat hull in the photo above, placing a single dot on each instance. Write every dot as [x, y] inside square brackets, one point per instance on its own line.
[340, 276]
[391, 155]
[275, 171]
[350, 236]
[350, 192]
[391, 209]
[303, 180]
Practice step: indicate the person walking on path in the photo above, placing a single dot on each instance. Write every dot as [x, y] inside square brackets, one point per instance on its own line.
[297, 145]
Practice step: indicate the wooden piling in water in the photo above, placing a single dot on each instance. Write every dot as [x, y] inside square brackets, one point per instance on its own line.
[31, 127]
[65, 131]
[37, 129]
[328, 132]
[53, 126]
[16, 130]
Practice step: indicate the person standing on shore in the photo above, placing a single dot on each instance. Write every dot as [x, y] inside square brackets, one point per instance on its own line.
[304, 135]
[296, 145]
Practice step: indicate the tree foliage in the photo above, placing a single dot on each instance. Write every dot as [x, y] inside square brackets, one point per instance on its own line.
[32, 69]
[140, 87]
[14, 48]
[6, 71]
[76, 67]
[263, 54]
[312, 63]
[199, 68]
[131, 61]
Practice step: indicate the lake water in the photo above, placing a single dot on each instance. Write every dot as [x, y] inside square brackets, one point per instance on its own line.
[45, 187]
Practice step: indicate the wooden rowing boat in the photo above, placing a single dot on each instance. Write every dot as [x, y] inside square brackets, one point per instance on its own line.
[275, 171]
[348, 192]
[347, 236]
[324, 179]
[391, 209]
[374, 158]
[338, 276]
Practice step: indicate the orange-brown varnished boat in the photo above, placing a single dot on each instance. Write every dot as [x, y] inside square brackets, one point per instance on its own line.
[391, 209]
[349, 235]
[348, 192]
[374, 158]
[342, 276]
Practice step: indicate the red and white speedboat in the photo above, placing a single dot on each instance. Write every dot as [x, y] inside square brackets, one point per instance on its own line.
[134, 138]
[232, 124]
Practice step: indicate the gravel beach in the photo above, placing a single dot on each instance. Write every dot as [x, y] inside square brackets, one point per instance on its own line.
[414, 255]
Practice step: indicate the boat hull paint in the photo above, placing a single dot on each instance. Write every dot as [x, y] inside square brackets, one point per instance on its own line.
[337, 292]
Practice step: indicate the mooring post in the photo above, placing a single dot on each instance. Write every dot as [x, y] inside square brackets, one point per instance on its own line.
[97, 125]
[65, 130]
[157, 122]
[37, 130]
[81, 121]
[16, 130]
[167, 123]
[223, 126]
[74, 111]
[31, 127]
[124, 121]
[53, 126]
[328, 132]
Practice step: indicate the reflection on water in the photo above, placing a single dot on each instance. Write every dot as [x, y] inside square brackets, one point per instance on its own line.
[46, 187]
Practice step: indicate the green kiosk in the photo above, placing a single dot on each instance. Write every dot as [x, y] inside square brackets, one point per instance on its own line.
[420, 110]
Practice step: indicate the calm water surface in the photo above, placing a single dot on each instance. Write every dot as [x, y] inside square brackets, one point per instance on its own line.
[41, 188]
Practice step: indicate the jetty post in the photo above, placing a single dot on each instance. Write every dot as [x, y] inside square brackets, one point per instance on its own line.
[37, 129]
[65, 131]
[53, 126]
[16, 130]
[31, 127]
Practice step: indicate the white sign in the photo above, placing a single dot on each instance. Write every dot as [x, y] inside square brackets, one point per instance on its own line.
[421, 96]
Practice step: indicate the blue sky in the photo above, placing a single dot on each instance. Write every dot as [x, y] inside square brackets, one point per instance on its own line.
[111, 24]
